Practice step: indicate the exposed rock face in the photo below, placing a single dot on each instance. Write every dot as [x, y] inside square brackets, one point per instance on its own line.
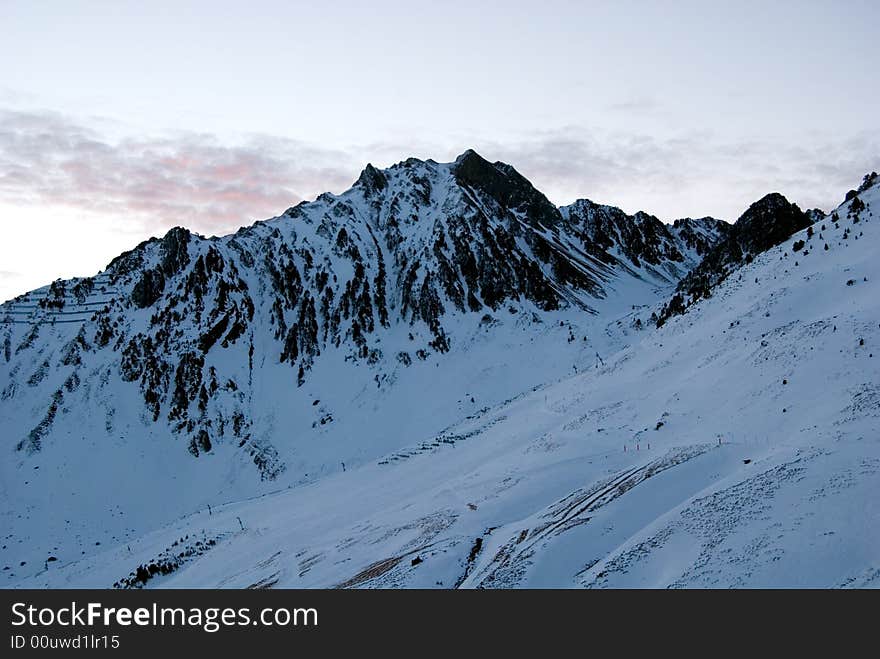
[701, 234]
[642, 240]
[816, 214]
[765, 224]
[148, 288]
[190, 320]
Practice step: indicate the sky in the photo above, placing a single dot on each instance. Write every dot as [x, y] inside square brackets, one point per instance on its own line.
[119, 120]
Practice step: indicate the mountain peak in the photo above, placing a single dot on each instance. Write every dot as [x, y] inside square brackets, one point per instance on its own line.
[768, 222]
[371, 179]
[469, 155]
[769, 201]
[765, 224]
[500, 181]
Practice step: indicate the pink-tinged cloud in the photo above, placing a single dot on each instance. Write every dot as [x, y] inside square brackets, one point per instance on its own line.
[195, 180]
[188, 179]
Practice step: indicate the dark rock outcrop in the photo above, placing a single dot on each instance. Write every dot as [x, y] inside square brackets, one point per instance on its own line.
[766, 223]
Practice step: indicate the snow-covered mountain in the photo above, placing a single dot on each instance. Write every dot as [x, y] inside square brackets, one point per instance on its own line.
[202, 370]
[437, 378]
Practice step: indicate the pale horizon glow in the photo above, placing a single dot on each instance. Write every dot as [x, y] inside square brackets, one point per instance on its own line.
[118, 121]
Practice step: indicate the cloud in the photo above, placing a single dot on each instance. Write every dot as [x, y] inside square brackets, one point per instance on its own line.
[187, 178]
[689, 174]
[636, 105]
[211, 186]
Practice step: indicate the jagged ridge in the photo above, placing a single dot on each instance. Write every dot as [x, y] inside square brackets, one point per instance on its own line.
[410, 244]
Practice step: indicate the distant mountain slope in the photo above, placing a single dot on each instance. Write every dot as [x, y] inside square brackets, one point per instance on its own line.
[642, 241]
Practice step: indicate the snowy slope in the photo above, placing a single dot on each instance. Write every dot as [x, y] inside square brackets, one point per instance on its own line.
[737, 445]
[195, 371]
